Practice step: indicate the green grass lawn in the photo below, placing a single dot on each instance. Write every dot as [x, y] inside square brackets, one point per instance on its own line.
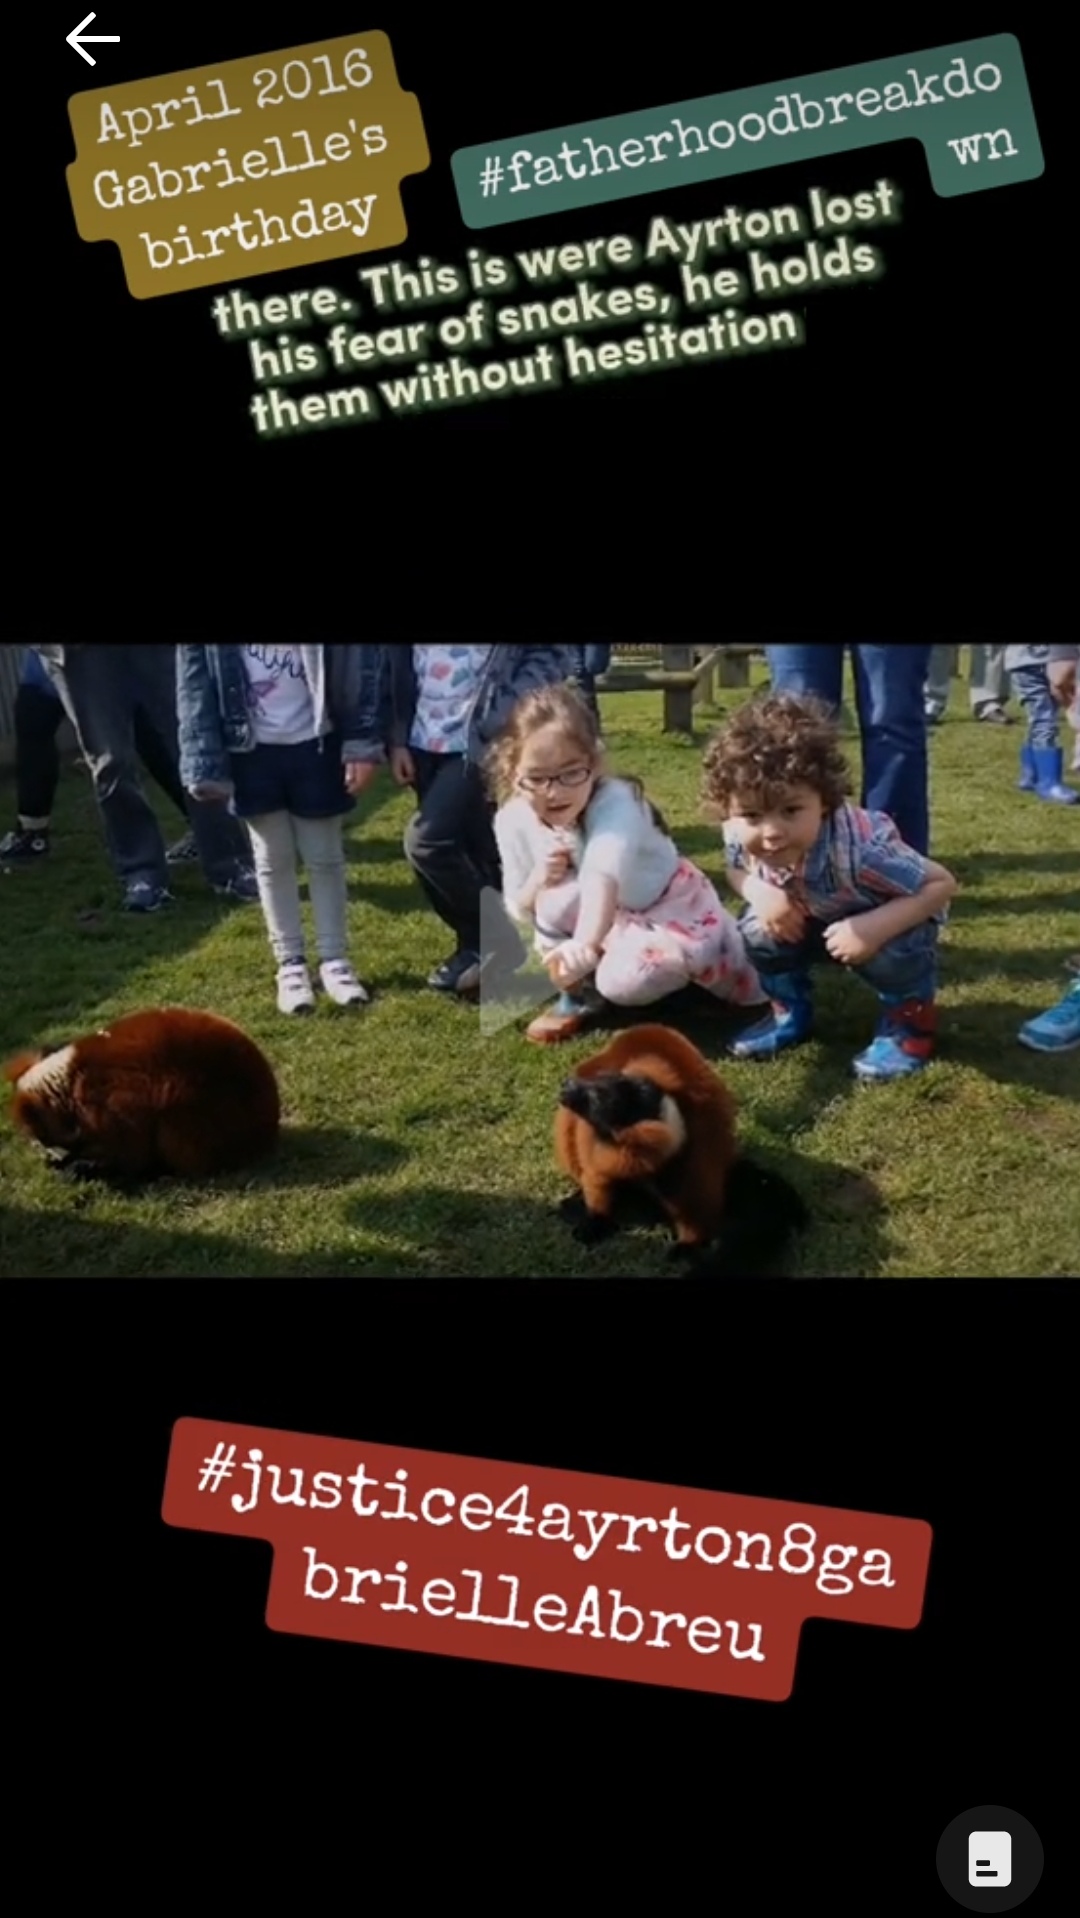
[417, 1147]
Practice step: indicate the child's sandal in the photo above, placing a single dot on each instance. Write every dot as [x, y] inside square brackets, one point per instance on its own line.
[569, 1016]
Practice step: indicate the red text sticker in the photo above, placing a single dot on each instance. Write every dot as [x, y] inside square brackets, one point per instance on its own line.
[607, 1577]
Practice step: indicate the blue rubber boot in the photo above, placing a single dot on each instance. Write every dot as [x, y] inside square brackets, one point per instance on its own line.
[1057, 1030]
[1029, 778]
[1049, 762]
[903, 1044]
[788, 1022]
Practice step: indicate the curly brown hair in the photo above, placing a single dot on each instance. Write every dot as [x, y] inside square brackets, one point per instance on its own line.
[555, 705]
[775, 741]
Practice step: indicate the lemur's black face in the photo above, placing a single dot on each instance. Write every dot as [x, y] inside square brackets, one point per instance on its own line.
[613, 1102]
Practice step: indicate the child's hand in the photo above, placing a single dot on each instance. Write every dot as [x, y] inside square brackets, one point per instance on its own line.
[553, 869]
[403, 766]
[1062, 676]
[359, 774]
[211, 790]
[845, 941]
[571, 962]
[782, 918]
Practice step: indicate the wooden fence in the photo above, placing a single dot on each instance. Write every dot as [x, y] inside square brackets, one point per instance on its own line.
[686, 675]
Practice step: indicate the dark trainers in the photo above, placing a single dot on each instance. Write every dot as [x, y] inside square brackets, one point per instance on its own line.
[142, 895]
[243, 886]
[184, 853]
[23, 847]
[448, 976]
[491, 973]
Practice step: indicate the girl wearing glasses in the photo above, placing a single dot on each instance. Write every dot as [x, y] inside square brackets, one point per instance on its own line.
[617, 914]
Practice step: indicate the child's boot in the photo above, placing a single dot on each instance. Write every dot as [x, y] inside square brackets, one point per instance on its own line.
[1029, 778]
[1057, 1030]
[1049, 761]
[904, 1042]
[788, 1022]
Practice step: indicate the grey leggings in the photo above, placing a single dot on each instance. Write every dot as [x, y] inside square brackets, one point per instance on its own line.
[280, 842]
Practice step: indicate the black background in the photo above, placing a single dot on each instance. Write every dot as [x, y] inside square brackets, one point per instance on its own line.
[887, 478]
[887, 470]
[944, 1402]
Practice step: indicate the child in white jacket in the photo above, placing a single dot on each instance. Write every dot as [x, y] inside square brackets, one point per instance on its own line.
[590, 867]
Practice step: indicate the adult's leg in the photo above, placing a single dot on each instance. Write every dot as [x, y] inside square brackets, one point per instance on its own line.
[815, 668]
[37, 758]
[185, 850]
[938, 675]
[37, 773]
[163, 769]
[889, 682]
[989, 685]
[95, 688]
[223, 848]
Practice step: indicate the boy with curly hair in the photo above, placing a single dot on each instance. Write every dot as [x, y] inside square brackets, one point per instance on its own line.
[822, 878]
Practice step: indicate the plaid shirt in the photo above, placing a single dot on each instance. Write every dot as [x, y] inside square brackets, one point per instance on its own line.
[857, 862]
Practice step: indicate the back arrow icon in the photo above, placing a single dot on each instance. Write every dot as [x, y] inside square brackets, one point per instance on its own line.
[76, 37]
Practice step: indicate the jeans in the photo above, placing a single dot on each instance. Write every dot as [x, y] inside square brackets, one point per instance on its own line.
[1031, 685]
[38, 718]
[450, 845]
[102, 689]
[590, 663]
[905, 968]
[988, 681]
[889, 683]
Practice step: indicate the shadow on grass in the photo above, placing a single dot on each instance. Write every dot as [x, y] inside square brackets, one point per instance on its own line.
[422, 1233]
[984, 1035]
[846, 1238]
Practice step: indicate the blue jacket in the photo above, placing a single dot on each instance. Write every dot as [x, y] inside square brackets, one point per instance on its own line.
[1019, 658]
[511, 671]
[347, 687]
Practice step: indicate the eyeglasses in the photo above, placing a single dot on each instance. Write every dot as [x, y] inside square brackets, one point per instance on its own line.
[539, 782]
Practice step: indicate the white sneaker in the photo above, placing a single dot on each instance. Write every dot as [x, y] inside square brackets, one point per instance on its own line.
[341, 984]
[294, 990]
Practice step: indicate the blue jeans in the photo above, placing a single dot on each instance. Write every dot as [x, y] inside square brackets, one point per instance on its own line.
[905, 968]
[1031, 685]
[889, 683]
[101, 688]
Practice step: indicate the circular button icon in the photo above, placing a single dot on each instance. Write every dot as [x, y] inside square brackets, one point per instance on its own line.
[990, 1859]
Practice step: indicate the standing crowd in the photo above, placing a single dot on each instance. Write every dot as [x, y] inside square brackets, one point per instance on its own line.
[264, 751]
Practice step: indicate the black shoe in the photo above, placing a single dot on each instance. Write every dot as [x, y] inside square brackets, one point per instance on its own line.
[492, 973]
[448, 976]
[23, 847]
